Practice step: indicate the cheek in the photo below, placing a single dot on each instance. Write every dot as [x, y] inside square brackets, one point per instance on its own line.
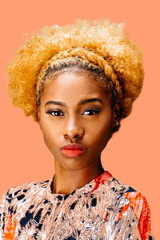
[103, 126]
[49, 134]
[50, 142]
[101, 133]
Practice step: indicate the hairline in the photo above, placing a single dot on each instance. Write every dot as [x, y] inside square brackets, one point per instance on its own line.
[94, 73]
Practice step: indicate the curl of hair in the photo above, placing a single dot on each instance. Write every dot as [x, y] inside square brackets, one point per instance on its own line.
[102, 44]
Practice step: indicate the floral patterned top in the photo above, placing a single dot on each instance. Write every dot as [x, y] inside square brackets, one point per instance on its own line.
[103, 209]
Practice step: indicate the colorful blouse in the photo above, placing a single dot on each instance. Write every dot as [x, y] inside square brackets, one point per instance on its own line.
[103, 209]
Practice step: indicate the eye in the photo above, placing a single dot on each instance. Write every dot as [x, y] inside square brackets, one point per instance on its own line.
[92, 111]
[55, 113]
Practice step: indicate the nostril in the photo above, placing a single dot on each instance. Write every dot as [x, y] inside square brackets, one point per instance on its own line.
[77, 136]
[72, 135]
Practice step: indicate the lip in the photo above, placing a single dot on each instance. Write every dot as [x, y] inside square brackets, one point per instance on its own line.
[73, 150]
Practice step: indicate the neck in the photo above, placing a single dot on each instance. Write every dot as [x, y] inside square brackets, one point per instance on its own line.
[67, 180]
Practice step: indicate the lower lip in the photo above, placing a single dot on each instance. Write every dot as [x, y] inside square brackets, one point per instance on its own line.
[73, 153]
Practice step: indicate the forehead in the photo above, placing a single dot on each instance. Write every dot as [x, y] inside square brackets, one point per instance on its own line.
[72, 84]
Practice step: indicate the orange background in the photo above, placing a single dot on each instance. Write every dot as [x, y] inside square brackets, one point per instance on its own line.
[132, 155]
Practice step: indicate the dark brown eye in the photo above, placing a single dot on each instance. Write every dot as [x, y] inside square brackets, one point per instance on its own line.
[55, 113]
[91, 112]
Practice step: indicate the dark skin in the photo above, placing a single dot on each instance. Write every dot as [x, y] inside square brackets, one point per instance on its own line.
[60, 125]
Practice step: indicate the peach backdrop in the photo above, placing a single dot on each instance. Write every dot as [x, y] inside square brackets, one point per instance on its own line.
[132, 155]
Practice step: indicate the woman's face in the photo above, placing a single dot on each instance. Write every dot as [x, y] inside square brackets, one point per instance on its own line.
[72, 103]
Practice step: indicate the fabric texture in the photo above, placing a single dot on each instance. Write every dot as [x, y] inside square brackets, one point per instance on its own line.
[102, 209]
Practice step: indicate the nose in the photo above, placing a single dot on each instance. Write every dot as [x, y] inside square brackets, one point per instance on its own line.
[72, 130]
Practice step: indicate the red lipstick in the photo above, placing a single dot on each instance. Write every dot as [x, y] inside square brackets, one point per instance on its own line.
[73, 150]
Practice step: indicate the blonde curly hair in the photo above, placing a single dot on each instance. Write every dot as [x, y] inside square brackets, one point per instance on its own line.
[98, 45]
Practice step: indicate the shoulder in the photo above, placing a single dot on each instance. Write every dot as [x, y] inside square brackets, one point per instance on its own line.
[17, 198]
[131, 199]
[128, 192]
[118, 186]
[20, 193]
[26, 188]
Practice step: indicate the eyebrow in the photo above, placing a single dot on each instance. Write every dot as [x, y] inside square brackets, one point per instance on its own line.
[80, 103]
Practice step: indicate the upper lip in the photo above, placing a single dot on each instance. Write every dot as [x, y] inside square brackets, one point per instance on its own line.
[73, 146]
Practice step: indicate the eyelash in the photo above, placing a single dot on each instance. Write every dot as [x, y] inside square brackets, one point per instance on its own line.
[97, 111]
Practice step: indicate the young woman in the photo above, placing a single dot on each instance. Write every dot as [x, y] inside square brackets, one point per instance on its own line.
[78, 82]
